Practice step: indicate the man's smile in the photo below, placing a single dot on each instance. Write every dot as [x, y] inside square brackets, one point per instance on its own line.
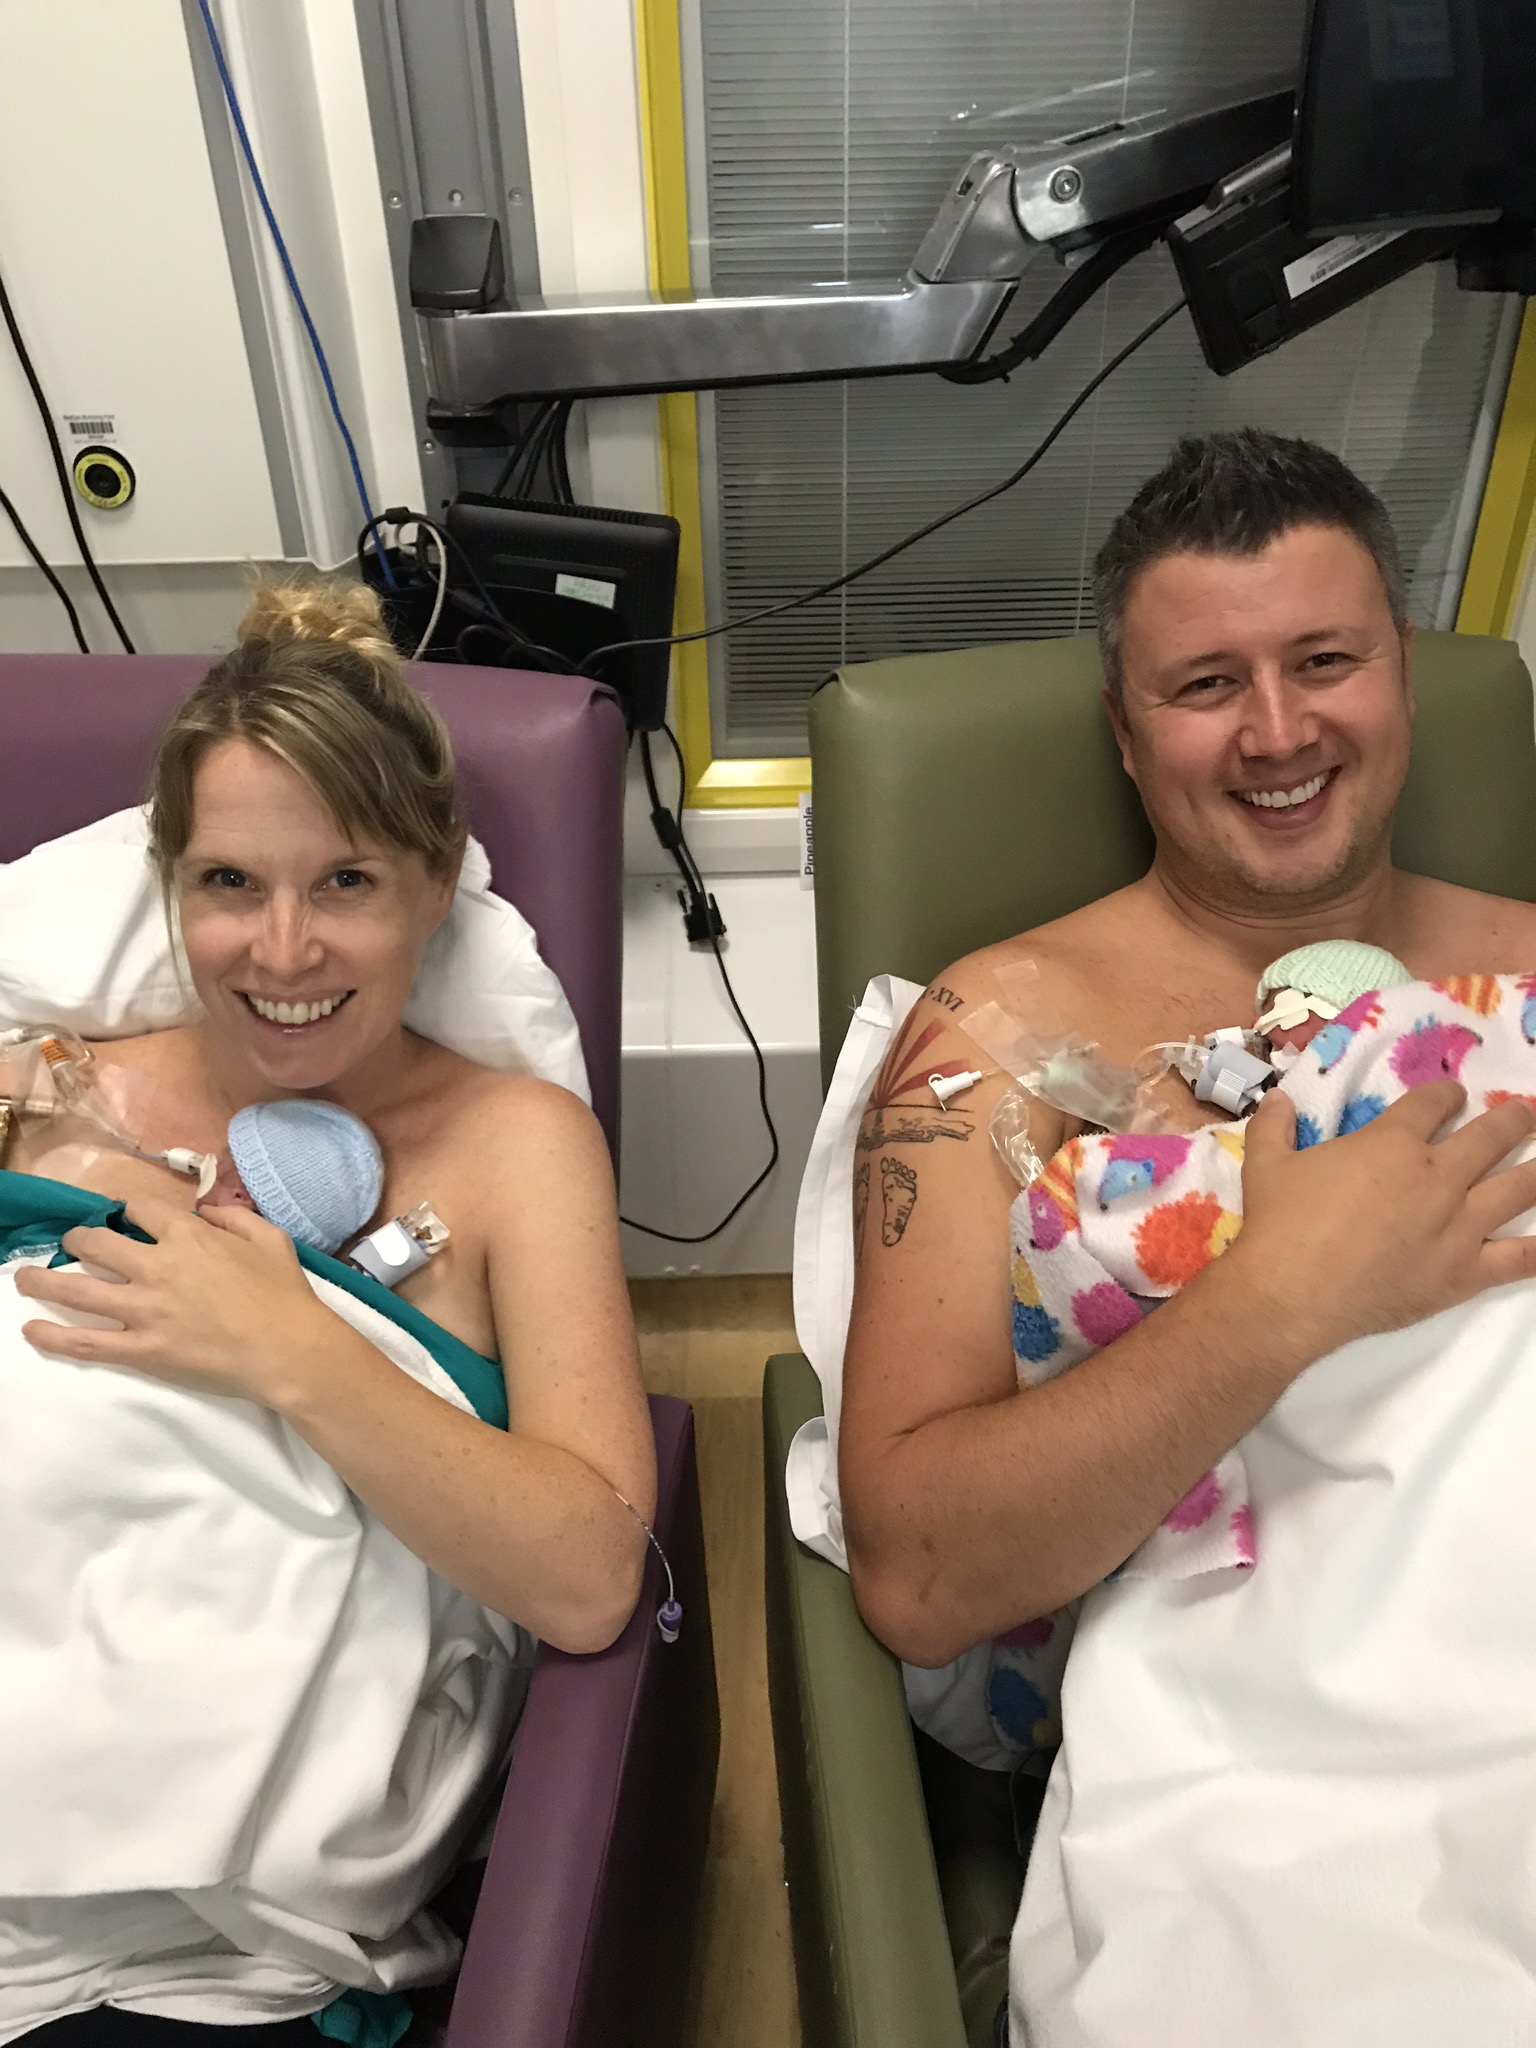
[1293, 804]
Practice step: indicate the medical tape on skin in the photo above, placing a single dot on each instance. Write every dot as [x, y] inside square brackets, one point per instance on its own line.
[1069, 1073]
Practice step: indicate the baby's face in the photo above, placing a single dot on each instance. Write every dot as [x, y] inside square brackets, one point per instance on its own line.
[228, 1189]
[1299, 1036]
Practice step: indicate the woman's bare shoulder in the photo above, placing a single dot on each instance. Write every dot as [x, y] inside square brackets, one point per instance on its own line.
[470, 1088]
[491, 1116]
[159, 1050]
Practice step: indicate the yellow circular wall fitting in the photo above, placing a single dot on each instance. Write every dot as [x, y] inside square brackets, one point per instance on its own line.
[103, 478]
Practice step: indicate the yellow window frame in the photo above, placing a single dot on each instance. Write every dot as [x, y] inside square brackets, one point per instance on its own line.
[1501, 546]
[712, 784]
[1496, 568]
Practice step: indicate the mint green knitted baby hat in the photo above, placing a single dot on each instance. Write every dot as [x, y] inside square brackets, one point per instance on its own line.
[1338, 970]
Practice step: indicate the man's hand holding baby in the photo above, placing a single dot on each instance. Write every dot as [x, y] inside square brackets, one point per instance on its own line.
[218, 1303]
[1383, 1227]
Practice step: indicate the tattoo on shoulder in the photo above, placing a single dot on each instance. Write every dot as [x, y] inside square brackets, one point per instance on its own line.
[944, 997]
[912, 1126]
[898, 1198]
[860, 1206]
[903, 1109]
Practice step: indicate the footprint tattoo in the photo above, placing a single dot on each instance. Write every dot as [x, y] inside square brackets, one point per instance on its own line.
[860, 1206]
[898, 1196]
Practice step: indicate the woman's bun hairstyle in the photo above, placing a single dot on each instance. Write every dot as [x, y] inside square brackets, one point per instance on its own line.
[315, 678]
[346, 613]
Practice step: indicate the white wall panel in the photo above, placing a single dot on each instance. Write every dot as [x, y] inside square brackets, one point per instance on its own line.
[113, 251]
[298, 73]
[582, 113]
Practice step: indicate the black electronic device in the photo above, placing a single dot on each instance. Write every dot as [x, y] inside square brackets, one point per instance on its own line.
[1252, 280]
[571, 579]
[1416, 113]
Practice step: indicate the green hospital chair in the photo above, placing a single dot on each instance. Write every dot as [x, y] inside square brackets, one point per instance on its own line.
[961, 798]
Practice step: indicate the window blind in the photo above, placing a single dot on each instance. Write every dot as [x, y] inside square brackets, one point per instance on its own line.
[824, 134]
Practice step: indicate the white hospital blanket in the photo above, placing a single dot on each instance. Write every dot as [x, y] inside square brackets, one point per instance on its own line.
[1296, 1808]
[243, 1730]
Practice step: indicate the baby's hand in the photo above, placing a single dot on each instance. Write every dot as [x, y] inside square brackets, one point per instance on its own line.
[227, 1190]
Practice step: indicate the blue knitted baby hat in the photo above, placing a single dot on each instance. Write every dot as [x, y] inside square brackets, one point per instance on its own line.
[313, 1169]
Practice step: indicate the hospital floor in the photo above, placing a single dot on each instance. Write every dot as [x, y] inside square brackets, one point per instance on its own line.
[708, 1341]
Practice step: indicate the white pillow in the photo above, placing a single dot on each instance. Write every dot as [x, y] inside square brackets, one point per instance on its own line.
[83, 942]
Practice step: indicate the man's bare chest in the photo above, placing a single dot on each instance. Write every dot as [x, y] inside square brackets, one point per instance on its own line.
[1127, 1012]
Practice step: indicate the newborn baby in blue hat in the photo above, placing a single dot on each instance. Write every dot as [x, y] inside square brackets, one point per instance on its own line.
[312, 1168]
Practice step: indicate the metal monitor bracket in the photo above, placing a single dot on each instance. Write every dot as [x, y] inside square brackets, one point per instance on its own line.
[1094, 200]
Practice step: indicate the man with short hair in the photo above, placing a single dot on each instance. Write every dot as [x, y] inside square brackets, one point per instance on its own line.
[1258, 663]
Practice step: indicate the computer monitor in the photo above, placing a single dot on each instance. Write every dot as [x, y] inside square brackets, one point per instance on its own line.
[1415, 113]
[572, 579]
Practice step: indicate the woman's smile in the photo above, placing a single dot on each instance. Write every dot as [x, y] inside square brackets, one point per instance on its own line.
[293, 1014]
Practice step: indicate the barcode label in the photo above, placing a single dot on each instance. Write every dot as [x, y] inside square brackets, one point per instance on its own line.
[1307, 272]
[97, 426]
[587, 590]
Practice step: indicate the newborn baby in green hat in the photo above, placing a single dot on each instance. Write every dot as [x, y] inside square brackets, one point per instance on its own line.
[1306, 989]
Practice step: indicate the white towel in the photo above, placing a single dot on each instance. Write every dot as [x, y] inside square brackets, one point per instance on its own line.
[1296, 1807]
[243, 1730]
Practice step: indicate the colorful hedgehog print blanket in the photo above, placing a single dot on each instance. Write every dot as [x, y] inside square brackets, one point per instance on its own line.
[1116, 1224]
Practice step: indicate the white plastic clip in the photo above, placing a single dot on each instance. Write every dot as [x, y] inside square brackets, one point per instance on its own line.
[205, 1165]
[946, 1085]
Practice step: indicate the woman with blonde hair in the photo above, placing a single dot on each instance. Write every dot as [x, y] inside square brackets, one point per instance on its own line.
[305, 824]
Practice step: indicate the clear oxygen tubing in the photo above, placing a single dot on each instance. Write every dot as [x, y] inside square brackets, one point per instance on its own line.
[1048, 1062]
[66, 1058]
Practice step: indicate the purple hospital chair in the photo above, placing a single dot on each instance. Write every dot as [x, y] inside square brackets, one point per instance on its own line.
[582, 1928]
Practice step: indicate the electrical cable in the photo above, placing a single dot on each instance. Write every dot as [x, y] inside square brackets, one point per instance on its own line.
[401, 515]
[835, 583]
[701, 913]
[442, 591]
[543, 443]
[515, 453]
[526, 486]
[564, 494]
[711, 932]
[1090, 276]
[39, 398]
[259, 185]
[38, 557]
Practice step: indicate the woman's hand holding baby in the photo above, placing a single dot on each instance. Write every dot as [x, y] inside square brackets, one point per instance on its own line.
[217, 1303]
[1381, 1228]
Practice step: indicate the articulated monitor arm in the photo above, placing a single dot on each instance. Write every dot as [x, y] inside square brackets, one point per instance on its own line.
[1095, 200]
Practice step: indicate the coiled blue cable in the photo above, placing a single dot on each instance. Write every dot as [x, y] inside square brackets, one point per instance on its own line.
[281, 246]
